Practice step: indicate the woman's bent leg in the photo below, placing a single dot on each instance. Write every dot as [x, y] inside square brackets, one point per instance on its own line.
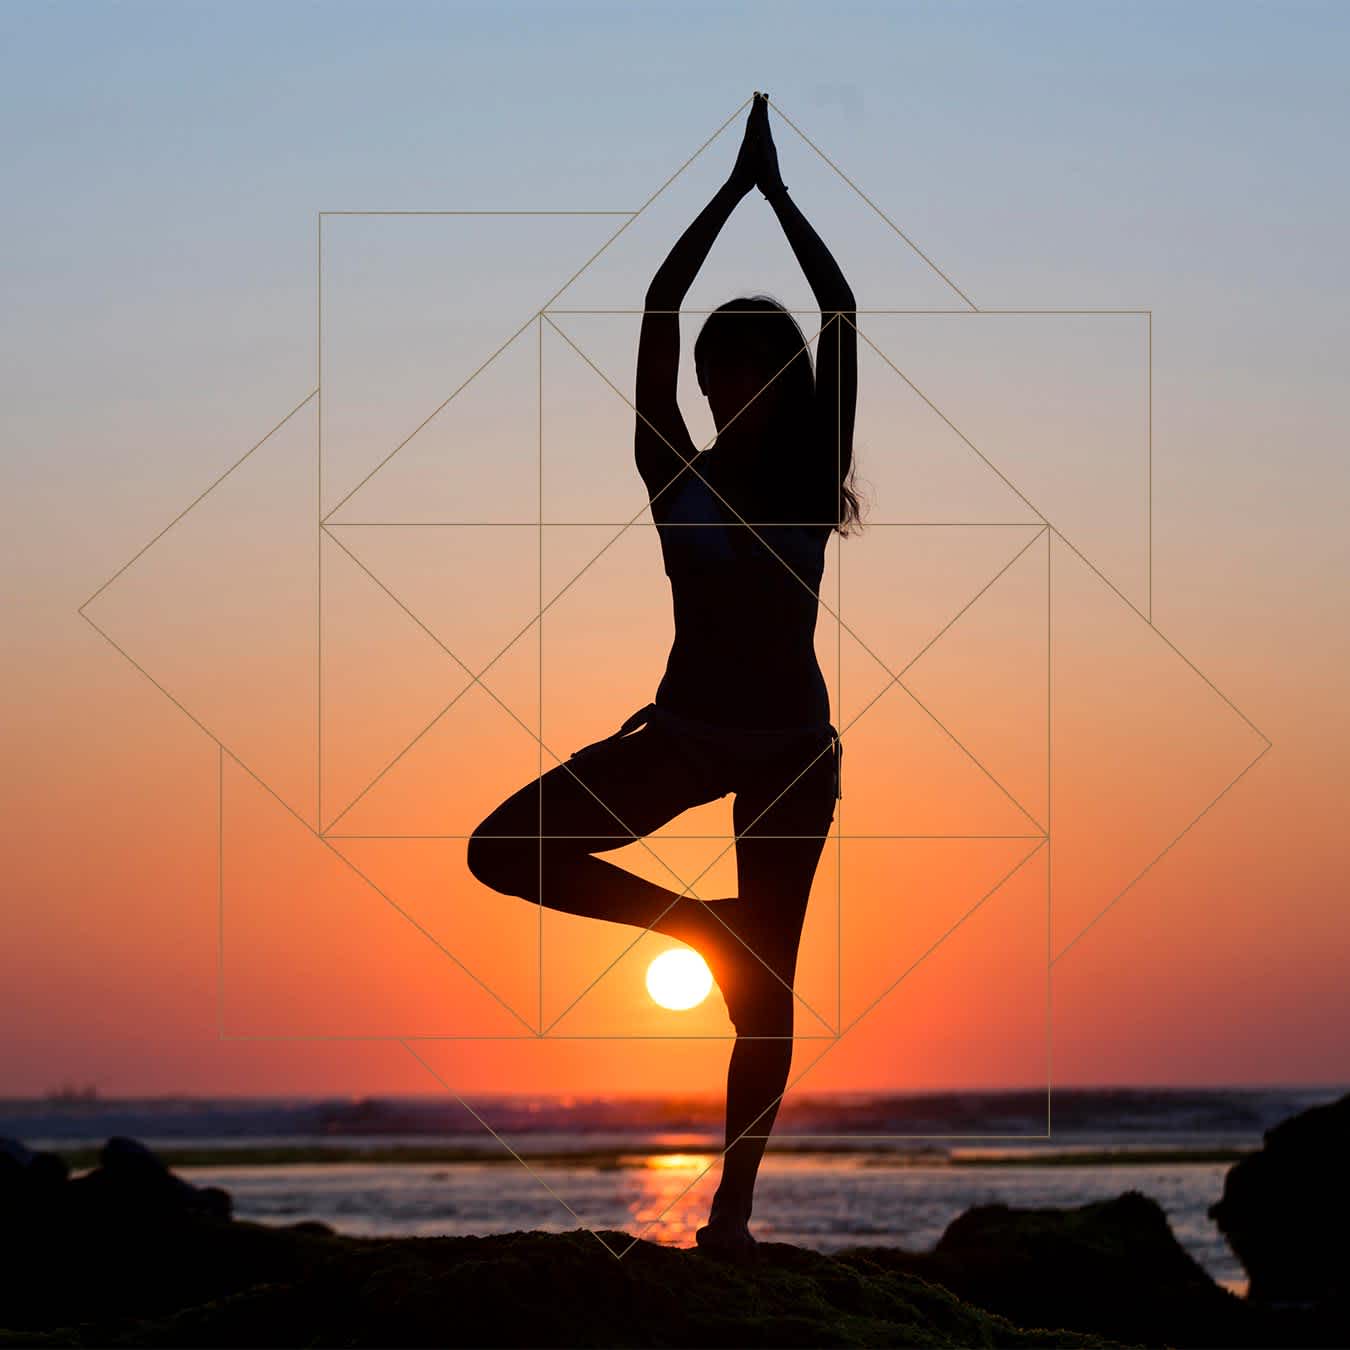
[538, 844]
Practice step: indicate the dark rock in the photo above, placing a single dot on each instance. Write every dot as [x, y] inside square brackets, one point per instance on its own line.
[28, 1180]
[131, 1185]
[131, 1254]
[1113, 1267]
[241, 1284]
[15, 1154]
[1284, 1207]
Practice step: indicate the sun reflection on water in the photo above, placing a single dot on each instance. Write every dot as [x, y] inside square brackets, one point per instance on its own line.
[678, 1188]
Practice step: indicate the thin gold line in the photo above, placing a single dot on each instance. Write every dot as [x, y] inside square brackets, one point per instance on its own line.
[550, 309]
[221, 748]
[650, 200]
[657, 835]
[779, 1134]
[688, 464]
[1106, 581]
[920, 959]
[839, 705]
[989, 464]
[687, 1036]
[434, 637]
[666, 865]
[196, 500]
[544, 306]
[875, 207]
[637, 523]
[318, 542]
[392, 903]
[1070, 544]
[293, 812]
[507, 1147]
[829, 748]
[1150, 564]
[474, 679]
[1150, 467]
[744, 1134]
[196, 721]
[290, 1037]
[287, 1036]
[897, 680]
[1049, 827]
[866, 1011]
[484, 212]
[220, 891]
[564, 1037]
[487, 362]
[539, 638]
[290, 809]
[539, 618]
[687, 887]
[689, 467]
[1260, 754]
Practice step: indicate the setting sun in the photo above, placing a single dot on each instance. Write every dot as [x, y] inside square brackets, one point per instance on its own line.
[679, 979]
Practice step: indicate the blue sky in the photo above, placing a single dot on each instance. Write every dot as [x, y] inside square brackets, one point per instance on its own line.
[164, 164]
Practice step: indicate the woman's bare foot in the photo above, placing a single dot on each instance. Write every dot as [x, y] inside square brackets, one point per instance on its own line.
[726, 1239]
[727, 1232]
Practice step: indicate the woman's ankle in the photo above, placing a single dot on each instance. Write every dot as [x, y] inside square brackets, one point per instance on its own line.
[729, 1210]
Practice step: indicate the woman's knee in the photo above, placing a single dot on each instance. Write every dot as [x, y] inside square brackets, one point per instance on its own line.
[515, 861]
[502, 862]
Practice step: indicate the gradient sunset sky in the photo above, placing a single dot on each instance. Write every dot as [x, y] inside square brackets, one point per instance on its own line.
[1114, 666]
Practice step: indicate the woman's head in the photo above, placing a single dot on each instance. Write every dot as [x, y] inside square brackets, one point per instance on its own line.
[754, 365]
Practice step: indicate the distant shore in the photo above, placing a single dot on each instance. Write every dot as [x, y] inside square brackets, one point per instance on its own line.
[308, 1154]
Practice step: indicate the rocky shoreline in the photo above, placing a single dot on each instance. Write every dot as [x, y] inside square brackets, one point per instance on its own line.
[129, 1254]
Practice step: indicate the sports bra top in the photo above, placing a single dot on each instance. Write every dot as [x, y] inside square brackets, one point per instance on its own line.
[745, 601]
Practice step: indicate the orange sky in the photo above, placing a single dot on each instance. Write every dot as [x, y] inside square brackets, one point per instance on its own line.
[932, 923]
[176, 922]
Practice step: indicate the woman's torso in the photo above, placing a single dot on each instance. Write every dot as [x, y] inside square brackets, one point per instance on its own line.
[745, 601]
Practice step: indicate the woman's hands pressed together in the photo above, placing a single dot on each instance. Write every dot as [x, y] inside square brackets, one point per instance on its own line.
[757, 161]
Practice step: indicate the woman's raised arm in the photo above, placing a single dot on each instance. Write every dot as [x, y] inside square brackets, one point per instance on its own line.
[662, 444]
[837, 346]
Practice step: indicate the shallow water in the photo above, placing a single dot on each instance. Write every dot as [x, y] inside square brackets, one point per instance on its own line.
[821, 1203]
[648, 1165]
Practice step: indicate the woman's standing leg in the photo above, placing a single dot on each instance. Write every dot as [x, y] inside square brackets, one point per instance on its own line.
[780, 835]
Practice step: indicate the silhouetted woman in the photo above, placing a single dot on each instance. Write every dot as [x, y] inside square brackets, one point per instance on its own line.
[742, 707]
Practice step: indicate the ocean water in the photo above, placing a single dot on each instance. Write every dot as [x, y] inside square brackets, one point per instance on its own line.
[825, 1203]
[842, 1170]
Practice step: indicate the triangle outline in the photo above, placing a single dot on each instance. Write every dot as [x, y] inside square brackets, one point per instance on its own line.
[538, 315]
[261, 789]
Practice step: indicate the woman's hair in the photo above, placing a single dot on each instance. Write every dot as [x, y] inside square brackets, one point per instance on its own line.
[802, 476]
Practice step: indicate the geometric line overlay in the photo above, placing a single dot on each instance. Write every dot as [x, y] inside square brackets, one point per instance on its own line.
[373, 918]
